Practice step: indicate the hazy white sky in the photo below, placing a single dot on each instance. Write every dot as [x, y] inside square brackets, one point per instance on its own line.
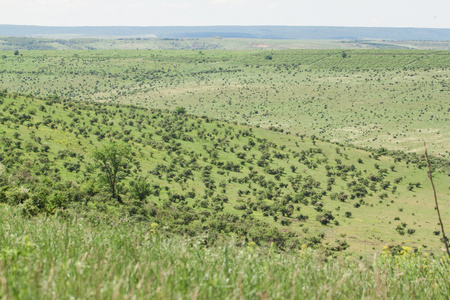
[374, 13]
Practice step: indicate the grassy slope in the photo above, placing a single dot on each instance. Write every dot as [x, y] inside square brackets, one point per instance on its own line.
[390, 98]
[76, 127]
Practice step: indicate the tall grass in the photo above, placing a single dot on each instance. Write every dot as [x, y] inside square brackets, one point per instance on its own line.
[436, 201]
[50, 258]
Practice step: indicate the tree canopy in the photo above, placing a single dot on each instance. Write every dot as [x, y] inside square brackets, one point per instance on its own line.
[112, 159]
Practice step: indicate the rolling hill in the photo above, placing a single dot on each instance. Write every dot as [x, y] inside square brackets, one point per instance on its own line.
[370, 98]
[196, 175]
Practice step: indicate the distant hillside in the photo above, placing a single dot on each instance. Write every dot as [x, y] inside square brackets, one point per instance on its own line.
[13, 43]
[265, 32]
[372, 98]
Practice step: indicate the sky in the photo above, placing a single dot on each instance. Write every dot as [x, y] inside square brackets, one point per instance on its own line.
[361, 13]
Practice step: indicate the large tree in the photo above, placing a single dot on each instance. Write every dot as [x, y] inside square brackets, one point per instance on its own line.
[113, 159]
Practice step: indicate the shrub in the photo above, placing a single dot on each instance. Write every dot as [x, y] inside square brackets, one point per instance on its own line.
[286, 222]
[36, 203]
[17, 196]
[400, 230]
[325, 217]
[140, 189]
[180, 110]
[302, 217]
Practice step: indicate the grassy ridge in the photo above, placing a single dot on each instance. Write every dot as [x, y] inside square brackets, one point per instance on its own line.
[213, 177]
[370, 98]
[48, 257]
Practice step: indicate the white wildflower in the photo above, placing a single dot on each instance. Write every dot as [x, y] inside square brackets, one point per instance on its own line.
[23, 190]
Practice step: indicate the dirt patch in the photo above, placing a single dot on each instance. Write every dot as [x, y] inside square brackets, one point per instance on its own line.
[260, 46]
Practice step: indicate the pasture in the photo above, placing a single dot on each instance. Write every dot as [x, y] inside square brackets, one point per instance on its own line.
[369, 98]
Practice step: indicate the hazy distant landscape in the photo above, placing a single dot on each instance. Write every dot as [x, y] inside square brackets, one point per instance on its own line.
[258, 32]
[220, 37]
[214, 43]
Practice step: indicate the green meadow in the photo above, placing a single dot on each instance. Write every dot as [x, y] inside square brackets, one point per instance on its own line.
[369, 98]
[239, 174]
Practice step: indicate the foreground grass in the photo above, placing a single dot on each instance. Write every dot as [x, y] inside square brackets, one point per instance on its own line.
[50, 258]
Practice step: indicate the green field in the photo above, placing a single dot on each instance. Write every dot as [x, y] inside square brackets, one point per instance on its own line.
[371, 98]
[253, 174]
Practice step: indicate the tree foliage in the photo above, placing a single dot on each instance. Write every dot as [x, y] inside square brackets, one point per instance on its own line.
[113, 160]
